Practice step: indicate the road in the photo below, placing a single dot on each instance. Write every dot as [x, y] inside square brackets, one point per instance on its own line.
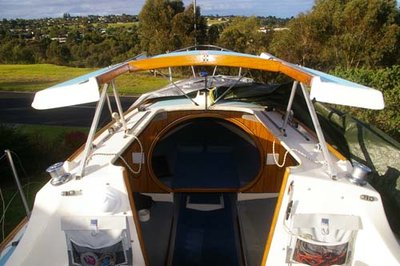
[15, 108]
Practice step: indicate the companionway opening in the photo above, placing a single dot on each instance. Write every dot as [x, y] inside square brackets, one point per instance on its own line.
[206, 153]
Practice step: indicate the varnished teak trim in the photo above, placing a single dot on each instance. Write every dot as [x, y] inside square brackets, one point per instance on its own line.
[278, 207]
[221, 60]
[231, 60]
[269, 178]
[135, 216]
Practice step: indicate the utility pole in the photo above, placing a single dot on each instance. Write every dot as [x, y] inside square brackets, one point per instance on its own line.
[195, 22]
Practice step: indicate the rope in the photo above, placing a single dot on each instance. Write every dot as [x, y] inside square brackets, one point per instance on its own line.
[286, 154]
[122, 158]
[275, 159]
[308, 158]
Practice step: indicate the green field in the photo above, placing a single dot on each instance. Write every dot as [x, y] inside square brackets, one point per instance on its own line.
[40, 76]
[122, 24]
[215, 21]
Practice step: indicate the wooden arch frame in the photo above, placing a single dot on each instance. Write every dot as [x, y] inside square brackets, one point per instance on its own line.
[208, 58]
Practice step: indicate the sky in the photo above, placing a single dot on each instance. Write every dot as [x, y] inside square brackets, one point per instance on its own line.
[56, 8]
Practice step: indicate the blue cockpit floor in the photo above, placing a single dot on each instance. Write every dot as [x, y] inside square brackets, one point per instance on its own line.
[206, 237]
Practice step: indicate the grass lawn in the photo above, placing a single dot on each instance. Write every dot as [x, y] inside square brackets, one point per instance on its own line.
[50, 133]
[36, 77]
[139, 83]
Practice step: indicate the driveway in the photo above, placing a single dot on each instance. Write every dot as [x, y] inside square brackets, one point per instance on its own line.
[15, 108]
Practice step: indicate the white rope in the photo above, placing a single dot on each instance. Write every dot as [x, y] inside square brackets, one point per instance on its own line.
[287, 152]
[309, 158]
[122, 158]
[275, 159]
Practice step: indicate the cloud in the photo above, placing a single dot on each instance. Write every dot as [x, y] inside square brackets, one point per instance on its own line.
[279, 8]
[56, 8]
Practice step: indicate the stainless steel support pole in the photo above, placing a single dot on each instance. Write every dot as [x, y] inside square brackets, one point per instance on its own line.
[289, 106]
[194, 72]
[214, 71]
[205, 92]
[21, 191]
[240, 72]
[170, 74]
[331, 168]
[92, 132]
[119, 106]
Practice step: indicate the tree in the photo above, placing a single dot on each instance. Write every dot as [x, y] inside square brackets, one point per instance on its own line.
[244, 35]
[155, 27]
[58, 53]
[6, 54]
[387, 80]
[23, 54]
[214, 32]
[350, 33]
[300, 44]
[183, 30]
[167, 26]
[368, 33]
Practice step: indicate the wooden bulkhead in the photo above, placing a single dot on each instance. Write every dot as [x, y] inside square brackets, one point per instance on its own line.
[268, 179]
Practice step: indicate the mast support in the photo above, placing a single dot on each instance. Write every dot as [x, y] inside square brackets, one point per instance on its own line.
[324, 147]
[289, 107]
[92, 132]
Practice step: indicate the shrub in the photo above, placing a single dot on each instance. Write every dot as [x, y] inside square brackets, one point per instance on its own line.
[386, 80]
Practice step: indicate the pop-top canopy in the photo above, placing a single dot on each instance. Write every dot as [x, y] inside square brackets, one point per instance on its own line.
[324, 87]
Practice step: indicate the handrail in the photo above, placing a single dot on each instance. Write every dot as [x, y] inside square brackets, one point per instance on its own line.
[207, 58]
[207, 46]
